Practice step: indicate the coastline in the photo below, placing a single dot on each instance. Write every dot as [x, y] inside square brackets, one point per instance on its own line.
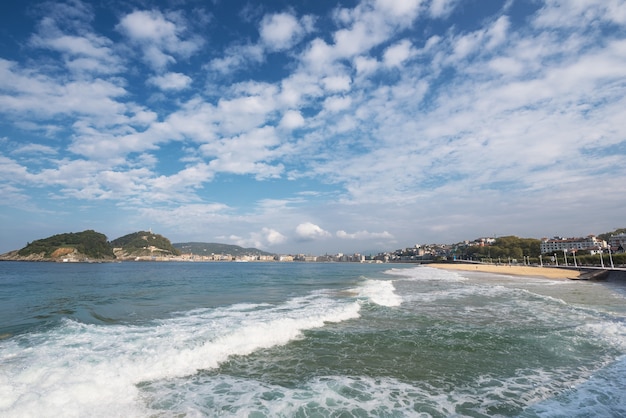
[514, 270]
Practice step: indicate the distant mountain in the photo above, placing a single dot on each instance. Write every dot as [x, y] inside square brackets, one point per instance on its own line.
[79, 246]
[143, 244]
[208, 248]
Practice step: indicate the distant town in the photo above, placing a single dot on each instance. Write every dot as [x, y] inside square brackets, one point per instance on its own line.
[606, 249]
[486, 249]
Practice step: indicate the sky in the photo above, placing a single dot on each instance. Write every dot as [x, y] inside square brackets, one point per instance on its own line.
[312, 126]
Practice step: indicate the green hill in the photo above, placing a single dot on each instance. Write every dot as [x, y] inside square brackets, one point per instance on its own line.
[208, 248]
[87, 244]
[143, 243]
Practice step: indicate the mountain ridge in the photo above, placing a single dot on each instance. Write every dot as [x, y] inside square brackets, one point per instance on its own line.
[90, 245]
[208, 248]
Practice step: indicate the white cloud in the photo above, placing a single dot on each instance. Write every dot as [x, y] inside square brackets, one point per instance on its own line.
[559, 13]
[179, 186]
[185, 221]
[161, 37]
[280, 31]
[442, 8]
[236, 57]
[480, 41]
[337, 103]
[337, 83]
[267, 237]
[87, 53]
[149, 26]
[497, 33]
[35, 149]
[362, 235]
[396, 54]
[250, 153]
[506, 66]
[362, 28]
[273, 237]
[27, 91]
[292, 119]
[519, 116]
[308, 232]
[171, 81]
[400, 9]
[10, 169]
[365, 65]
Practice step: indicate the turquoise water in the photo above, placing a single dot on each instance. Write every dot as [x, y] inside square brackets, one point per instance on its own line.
[305, 340]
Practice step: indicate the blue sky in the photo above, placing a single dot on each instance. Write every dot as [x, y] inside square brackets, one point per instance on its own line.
[312, 126]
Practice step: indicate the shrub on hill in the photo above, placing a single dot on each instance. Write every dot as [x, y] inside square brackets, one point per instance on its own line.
[507, 246]
[90, 243]
[138, 241]
[208, 248]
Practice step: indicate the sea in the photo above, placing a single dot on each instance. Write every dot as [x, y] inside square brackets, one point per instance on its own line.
[176, 339]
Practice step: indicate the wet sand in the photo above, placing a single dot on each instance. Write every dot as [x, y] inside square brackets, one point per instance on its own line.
[547, 272]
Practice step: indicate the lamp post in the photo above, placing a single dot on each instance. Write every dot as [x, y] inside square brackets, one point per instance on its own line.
[565, 256]
[556, 260]
[540, 261]
[601, 257]
[574, 254]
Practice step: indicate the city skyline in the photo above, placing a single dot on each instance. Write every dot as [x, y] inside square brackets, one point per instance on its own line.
[337, 127]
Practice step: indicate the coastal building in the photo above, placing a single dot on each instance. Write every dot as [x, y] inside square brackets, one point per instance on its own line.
[618, 242]
[590, 243]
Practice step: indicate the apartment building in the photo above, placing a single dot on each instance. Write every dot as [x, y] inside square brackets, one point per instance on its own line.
[591, 243]
[618, 242]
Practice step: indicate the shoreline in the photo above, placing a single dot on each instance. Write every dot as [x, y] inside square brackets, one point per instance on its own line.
[514, 270]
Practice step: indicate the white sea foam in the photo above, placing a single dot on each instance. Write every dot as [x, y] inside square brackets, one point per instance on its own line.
[603, 394]
[612, 332]
[535, 391]
[230, 396]
[380, 292]
[93, 370]
[426, 274]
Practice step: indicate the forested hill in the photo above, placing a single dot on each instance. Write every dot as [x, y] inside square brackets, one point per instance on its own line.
[93, 246]
[86, 244]
[143, 243]
[208, 248]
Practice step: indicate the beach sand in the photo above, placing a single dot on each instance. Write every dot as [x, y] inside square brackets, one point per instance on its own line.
[547, 272]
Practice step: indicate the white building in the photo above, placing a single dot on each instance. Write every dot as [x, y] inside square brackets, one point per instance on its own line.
[617, 241]
[590, 243]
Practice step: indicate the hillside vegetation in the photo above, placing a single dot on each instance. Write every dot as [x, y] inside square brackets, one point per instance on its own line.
[144, 243]
[504, 247]
[208, 248]
[88, 243]
[93, 246]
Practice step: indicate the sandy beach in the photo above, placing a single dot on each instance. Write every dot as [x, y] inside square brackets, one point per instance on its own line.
[547, 272]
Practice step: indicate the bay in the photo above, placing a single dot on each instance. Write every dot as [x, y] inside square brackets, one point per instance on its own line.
[305, 340]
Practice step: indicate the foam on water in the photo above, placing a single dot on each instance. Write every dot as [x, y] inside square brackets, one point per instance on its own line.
[603, 394]
[380, 292]
[612, 332]
[427, 274]
[530, 393]
[230, 396]
[92, 370]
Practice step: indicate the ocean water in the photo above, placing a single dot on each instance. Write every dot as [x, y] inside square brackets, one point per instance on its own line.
[305, 340]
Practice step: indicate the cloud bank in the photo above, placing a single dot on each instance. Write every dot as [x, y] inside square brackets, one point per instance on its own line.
[401, 121]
